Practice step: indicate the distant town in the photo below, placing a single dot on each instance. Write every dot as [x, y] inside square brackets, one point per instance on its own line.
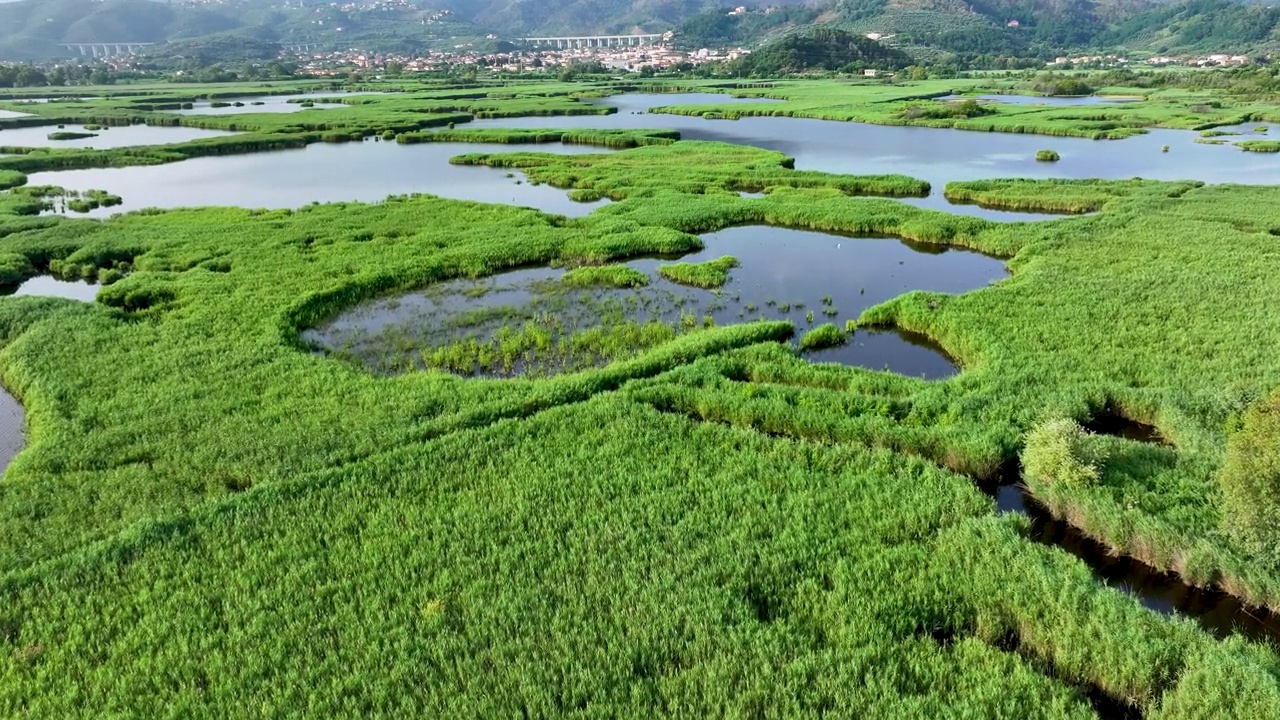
[656, 56]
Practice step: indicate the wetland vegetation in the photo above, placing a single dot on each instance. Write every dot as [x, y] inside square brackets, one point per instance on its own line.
[694, 488]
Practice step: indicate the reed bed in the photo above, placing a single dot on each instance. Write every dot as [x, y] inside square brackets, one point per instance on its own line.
[209, 516]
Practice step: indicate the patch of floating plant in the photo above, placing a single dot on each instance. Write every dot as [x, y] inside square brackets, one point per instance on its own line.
[542, 321]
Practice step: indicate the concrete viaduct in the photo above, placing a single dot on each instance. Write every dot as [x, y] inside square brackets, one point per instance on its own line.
[101, 50]
[597, 41]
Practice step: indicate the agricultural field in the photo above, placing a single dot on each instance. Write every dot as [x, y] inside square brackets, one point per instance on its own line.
[215, 515]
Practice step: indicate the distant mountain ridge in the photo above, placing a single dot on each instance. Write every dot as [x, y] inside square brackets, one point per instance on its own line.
[34, 29]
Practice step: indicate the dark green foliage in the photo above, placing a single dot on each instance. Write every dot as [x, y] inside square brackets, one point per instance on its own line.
[717, 28]
[1048, 156]
[820, 49]
[1055, 85]
[946, 110]
[1198, 25]
[71, 135]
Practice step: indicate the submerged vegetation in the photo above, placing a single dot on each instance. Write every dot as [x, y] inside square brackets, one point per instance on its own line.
[209, 515]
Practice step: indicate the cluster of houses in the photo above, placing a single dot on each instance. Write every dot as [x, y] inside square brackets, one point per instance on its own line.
[658, 56]
[1214, 60]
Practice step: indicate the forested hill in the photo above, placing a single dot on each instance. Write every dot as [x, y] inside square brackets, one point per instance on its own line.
[33, 29]
[821, 49]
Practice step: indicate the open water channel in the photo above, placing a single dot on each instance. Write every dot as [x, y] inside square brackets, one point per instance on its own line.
[791, 268]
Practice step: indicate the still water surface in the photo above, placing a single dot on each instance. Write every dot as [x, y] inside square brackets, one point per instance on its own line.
[806, 277]
[271, 103]
[107, 137]
[371, 170]
[323, 172]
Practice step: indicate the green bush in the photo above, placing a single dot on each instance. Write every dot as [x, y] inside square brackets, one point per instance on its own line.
[1250, 479]
[1060, 451]
[1048, 156]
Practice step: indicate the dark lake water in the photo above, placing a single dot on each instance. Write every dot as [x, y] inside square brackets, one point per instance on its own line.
[111, 137]
[808, 278]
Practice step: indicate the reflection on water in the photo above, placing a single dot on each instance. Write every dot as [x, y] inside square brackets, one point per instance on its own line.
[49, 286]
[372, 170]
[270, 103]
[1219, 613]
[366, 171]
[12, 428]
[808, 278]
[106, 137]
[938, 155]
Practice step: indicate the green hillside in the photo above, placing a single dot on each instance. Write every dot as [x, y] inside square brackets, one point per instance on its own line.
[820, 49]
[1200, 25]
[34, 29]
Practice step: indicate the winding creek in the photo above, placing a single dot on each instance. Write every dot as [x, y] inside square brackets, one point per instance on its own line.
[784, 274]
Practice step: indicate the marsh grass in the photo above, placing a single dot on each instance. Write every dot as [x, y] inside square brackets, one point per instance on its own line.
[189, 462]
[822, 337]
[706, 275]
[616, 276]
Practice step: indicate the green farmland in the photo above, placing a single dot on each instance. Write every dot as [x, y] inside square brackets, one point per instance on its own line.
[211, 518]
